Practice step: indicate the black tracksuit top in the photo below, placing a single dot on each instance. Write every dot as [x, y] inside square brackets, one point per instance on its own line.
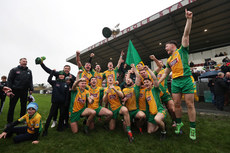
[20, 78]
[60, 90]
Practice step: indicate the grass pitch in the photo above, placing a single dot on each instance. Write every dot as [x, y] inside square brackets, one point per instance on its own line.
[213, 136]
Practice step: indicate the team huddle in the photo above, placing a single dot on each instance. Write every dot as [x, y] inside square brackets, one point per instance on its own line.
[96, 94]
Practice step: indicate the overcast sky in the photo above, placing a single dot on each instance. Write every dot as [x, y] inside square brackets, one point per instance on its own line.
[57, 28]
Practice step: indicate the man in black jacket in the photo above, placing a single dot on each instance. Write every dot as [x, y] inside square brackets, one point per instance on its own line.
[20, 80]
[220, 88]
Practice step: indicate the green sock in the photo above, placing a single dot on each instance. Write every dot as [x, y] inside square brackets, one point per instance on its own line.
[86, 127]
[193, 124]
[128, 128]
[178, 120]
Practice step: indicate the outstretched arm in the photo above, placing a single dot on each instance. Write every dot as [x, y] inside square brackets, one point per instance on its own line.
[138, 77]
[155, 82]
[78, 59]
[51, 76]
[120, 59]
[122, 69]
[75, 84]
[48, 70]
[159, 66]
[90, 60]
[167, 71]
[187, 29]
[8, 129]
[45, 68]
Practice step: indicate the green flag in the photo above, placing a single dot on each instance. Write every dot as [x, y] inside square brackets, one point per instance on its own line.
[132, 55]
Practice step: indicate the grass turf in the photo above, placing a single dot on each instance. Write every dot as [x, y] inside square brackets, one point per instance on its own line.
[212, 136]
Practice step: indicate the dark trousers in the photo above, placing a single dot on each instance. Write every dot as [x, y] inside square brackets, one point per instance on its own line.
[22, 94]
[227, 98]
[55, 115]
[55, 107]
[3, 97]
[220, 102]
[66, 113]
[22, 134]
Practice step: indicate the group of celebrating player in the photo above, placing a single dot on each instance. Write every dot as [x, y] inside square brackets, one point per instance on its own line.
[141, 100]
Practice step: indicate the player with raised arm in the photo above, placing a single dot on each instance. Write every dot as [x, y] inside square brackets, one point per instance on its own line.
[131, 97]
[182, 82]
[87, 73]
[113, 71]
[155, 111]
[164, 95]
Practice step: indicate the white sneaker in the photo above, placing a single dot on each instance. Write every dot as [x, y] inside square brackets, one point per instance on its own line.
[54, 124]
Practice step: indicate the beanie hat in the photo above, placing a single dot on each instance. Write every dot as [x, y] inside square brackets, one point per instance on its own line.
[32, 105]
